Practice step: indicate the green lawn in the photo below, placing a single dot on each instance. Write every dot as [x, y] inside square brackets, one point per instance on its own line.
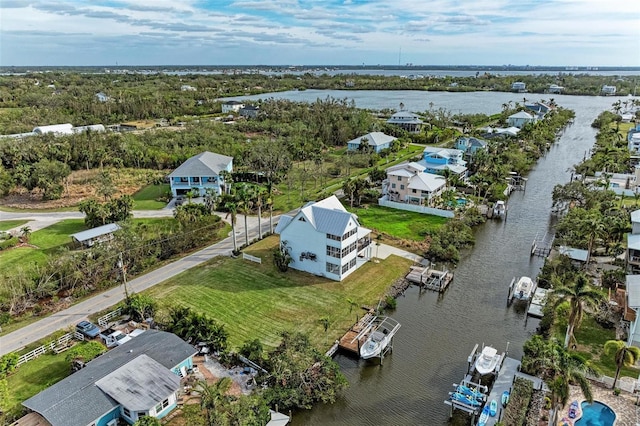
[398, 223]
[257, 301]
[34, 376]
[5, 225]
[147, 197]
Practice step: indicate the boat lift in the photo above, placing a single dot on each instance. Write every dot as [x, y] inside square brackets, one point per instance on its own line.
[387, 326]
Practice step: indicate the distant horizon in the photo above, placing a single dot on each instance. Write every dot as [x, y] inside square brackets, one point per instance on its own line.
[144, 32]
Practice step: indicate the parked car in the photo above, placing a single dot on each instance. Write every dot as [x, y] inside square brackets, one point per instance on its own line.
[179, 200]
[113, 338]
[88, 329]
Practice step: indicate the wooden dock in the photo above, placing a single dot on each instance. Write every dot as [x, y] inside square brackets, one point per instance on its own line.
[431, 279]
[356, 335]
[537, 303]
[542, 246]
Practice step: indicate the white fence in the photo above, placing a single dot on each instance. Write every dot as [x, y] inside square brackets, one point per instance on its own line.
[103, 321]
[251, 258]
[415, 208]
[62, 342]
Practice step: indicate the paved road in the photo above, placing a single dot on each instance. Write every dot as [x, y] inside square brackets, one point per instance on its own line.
[71, 316]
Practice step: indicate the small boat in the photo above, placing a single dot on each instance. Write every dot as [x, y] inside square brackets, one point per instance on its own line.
[505, 398]
[524, 289]
[373, 346]
[487, 361]
[484, 417]
[499, 210]
[465, 399]
[465, 390]
[493, 408]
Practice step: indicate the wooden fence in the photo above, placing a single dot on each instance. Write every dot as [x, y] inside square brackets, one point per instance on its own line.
[415, 208]
[251, 258]
[57, 346]
[103, 321]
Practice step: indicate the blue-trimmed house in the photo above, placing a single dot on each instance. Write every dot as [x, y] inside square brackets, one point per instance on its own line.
[436, 160]
[376, 140]
[201, 172]
[138, 378]
[470, 145]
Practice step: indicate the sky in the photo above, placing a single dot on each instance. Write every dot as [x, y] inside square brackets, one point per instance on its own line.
[320, 32]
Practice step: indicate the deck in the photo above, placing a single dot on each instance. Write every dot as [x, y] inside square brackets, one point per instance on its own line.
[537, 303]
[356, 335]
[429, 278]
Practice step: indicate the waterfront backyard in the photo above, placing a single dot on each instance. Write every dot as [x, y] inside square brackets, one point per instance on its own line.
[257, 301]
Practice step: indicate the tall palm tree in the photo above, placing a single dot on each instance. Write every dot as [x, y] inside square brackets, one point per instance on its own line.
[624, 355]
[259, 193]
[245, 203]
[232, 208]
[580, 295]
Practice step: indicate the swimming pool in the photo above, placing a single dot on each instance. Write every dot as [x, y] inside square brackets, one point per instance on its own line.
[596, 414]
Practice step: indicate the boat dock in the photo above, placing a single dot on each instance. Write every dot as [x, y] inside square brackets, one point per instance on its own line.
[537, 303]
[429, 278]
[541, 247]
[358, 334]
[513, 289]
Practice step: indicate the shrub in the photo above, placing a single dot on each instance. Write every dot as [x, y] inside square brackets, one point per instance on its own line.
[11, 242]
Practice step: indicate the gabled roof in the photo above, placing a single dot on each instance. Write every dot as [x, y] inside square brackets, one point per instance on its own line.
[327, 216]
[77, 401]
[633, 291]
[426, 182]
[411, 167]
[92, 233]
[404, 117]
[471, 141]
[373, 139]
[444, 152]
[140, 384]
[522, 114]
[282, 223]
[204, 164]
[633, 241]
[635, 216]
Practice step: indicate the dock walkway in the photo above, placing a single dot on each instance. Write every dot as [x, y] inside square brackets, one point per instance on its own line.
[537, 303]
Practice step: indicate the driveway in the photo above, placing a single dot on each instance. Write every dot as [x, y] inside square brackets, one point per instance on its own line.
[69, 317]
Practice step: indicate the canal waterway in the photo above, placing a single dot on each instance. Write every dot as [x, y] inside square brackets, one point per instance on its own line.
[439, 331]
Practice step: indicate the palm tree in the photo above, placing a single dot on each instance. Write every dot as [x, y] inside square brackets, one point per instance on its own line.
[624, 355]
[259, 193]
[211, 199]
[213, 397]
[232, 208]
[580, 295]
[25, 234]
[245, 197]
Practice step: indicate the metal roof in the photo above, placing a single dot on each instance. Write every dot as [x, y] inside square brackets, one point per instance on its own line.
[633, 291]
[65, 129]
[328, 216]
[635, 216]
[427, 182]
[140, 384]
[282, 223]
[204, 164]
[77, 401]
[574, 253]
[373, 139]
[522, 114]
[633, 241]
[92, 233]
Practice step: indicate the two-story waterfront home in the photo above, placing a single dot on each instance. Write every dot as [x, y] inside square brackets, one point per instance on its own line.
[376, 140]
[409, 183]
[231, 106]
[407, 120]
[201, 172]
[520, 119]
[608, 90]
[519, 87]
[324, 239]
[632, 309]
[138, 378]
[436, 160]
[470, 145]
[633, 244]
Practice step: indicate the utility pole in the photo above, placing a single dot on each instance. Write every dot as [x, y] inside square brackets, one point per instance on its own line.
[123, 270]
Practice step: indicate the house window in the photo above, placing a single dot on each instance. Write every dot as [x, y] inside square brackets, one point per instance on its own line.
[345, 268]
[401, 186]
[141, 414]
[349, 233]
[164, 404]
[352, 263]
[333, 251]
[399, 178]
[196, 180]
[333, 268]
[302, 219]
[333, 237]
[413, 191]
[126, 412]
[393, 185]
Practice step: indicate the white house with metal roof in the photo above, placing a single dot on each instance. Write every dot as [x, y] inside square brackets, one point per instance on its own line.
[407, 120]
[201, 172]
[324, 239]
[232, 106]
[139, 378]
[520, 119]
[633, 304]
[95, 235]
[376, 140]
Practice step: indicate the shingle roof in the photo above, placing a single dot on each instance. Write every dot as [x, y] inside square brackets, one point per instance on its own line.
[143, 373]
[373, 139]
[77, 401]
[204, 164]
[92, 233]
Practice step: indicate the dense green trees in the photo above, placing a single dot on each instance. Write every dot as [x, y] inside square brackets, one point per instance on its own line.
[196, 327]
[98, 214]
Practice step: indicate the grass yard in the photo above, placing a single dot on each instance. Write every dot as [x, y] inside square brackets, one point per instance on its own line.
[257, 301]
[398, 223]
[5, 225]
[33, 377]
[147, 197]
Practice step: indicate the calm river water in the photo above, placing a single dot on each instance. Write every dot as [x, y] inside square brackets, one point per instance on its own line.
[439, 331]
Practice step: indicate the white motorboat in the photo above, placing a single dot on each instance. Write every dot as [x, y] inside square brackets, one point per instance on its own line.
[499, 210]
[487, 360]
[379, 338]
[524, 289]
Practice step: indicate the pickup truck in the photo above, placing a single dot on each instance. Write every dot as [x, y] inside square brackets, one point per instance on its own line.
[113, 338]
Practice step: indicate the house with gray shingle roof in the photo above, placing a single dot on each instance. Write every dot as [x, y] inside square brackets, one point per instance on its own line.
[324, 239]
[138, 378]
[201, 172]
[376, 140]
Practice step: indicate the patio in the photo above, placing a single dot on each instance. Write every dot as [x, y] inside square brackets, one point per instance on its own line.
[624, 405]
